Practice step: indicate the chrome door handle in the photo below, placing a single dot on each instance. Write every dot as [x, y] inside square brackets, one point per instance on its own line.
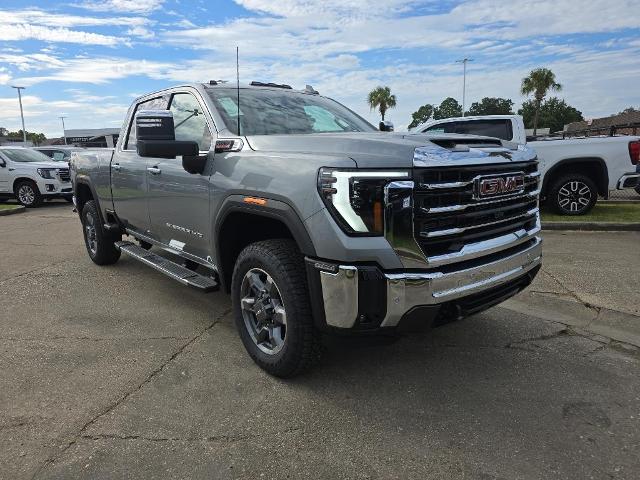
[116, 167]
[154, 170]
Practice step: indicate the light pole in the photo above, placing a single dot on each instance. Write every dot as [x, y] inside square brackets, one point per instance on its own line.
[24, 132]
[64, 132]
[464, 62]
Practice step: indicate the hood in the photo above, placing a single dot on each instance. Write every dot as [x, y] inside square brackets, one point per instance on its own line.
[50, 164]
[373, 149]
[380, 149]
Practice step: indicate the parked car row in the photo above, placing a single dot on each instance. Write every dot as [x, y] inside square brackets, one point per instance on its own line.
[31, 176]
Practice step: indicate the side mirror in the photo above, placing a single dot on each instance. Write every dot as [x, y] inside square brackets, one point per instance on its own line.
[386, 126]
[2, 163]
[156, 136]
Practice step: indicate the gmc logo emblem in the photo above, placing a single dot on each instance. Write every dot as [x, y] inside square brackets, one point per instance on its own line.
[493, 186]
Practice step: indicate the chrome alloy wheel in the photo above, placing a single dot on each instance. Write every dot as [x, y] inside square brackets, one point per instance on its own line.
[26, 195]
[574, 196]
[263, 311]
[90, 233]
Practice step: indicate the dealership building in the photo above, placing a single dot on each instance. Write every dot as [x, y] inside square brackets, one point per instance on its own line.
[91, 137]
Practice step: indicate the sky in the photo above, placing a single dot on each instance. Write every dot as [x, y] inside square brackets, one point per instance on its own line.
[88, 59]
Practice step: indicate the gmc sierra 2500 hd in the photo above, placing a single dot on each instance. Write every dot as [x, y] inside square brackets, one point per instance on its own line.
[308, 216]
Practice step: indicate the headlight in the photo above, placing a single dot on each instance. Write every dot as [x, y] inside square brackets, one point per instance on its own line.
[355, 198]
[49, 173]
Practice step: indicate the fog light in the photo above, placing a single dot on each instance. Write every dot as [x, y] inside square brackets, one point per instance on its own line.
[50, 187]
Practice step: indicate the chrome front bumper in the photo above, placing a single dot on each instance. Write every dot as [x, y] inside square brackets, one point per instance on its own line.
[406, 290]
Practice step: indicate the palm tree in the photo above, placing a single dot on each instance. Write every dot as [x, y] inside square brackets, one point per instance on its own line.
[382, 99]
[539, 82]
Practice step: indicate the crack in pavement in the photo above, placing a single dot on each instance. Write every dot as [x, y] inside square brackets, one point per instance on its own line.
[53, 458]
[91, 339]
[35, 270]
[212, 438]
[572, 293]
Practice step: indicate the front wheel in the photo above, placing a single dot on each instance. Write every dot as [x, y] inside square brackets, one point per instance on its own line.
[271, 307]
[573, 194]
[99, 242]
[28, 194]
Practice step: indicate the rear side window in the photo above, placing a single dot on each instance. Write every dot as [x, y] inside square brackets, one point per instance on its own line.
[159, 103]
[498, 128]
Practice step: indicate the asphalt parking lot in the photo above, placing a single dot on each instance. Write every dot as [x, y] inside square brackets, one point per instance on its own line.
[119, 372]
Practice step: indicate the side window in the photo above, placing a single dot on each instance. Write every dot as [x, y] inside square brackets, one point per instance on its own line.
[58, 156]
[159, 103]
[435, 129]
[189, 120]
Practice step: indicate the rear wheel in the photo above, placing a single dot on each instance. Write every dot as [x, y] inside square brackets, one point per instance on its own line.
[271, 307]
[573, 194]
[99, 242]
[28, 194]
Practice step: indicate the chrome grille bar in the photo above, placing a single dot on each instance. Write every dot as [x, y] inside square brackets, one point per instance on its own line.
[458, 208]
[454, 231]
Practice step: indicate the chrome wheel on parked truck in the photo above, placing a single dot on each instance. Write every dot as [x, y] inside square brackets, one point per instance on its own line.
[573, 194]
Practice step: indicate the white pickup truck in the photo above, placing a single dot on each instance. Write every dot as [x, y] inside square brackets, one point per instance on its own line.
[574, 171]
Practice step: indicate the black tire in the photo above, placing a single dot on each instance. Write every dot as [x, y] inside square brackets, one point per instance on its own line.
[27, 194]
[100, 243]
[573, 194]
[281, 261]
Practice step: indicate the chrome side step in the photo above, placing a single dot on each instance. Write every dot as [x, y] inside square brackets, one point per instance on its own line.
[169, 268]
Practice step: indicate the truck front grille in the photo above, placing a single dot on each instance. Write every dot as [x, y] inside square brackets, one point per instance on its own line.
[449, 217]
[63, 173]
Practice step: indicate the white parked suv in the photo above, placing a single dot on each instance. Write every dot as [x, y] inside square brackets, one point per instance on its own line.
[31, 176]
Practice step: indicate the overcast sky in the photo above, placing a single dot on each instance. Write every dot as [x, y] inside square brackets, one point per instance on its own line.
[87, 60]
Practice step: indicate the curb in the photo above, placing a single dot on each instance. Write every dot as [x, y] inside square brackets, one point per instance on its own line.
[12, 211]
[592, 226]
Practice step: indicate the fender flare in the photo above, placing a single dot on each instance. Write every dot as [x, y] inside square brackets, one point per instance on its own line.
[274, 209]
[602, 184]
[85, 180]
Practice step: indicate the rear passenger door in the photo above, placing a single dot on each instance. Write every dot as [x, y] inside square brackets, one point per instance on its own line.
[178, 200]
[129, 184]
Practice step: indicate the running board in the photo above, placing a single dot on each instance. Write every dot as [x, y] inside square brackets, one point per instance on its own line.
[169, 268]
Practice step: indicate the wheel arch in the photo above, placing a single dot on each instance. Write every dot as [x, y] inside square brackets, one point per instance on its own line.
[239, 224]
[84, 191]
[593, 167]
[23, 178]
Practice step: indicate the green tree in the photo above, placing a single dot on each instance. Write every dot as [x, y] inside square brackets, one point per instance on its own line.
[35, 138]
[447, 109]
[382, 99]
[554, 114]
[492, 106]
[420, 116]
[627, 110]
[539, 82]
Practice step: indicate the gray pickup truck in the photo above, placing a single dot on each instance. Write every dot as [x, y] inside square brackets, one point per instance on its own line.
[314, 221]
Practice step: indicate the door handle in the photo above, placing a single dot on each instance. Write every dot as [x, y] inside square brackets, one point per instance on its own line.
[116, 167]
[154, 170]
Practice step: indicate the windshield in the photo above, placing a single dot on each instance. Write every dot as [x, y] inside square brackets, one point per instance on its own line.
[26, 155]
[269, 112]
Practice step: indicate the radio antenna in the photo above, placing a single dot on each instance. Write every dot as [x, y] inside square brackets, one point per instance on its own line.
[238, 85]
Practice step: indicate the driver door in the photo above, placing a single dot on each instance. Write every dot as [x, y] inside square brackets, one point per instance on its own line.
[179, 201]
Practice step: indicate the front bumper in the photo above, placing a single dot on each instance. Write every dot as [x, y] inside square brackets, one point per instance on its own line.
[628, 180]
[362, 297]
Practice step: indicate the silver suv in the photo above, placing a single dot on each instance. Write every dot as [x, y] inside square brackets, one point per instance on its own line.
[308, 216]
